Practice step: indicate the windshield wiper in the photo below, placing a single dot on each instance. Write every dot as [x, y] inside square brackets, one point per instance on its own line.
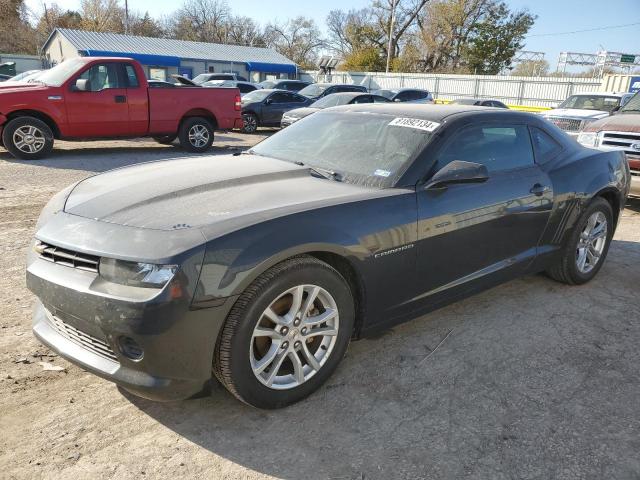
[323, 172]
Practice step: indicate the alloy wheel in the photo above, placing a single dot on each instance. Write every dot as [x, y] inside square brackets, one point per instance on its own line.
[29, 139]
[198, 136]
[591, 242]
[250, 123]
[294, 337]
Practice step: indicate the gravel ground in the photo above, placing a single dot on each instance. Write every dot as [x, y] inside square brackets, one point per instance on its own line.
[532, 379]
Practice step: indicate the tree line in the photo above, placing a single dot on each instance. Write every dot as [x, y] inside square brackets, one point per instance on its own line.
[457, 36]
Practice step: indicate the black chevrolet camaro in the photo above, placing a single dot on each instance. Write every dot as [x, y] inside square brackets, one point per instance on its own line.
[260, 268]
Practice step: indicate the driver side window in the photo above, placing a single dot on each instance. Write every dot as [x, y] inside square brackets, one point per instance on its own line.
[498, 147]
[101, 77]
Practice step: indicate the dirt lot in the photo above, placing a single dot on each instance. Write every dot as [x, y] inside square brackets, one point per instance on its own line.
[532, 380]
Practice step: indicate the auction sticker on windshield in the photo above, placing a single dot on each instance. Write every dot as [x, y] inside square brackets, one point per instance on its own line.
[419, 123]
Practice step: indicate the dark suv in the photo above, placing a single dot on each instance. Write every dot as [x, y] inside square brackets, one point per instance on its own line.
[289, 85]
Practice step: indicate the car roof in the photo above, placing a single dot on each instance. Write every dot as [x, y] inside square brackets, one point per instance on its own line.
[435, 113]
[281, 80]
[337, 85]
[347, 94]
[476, 99]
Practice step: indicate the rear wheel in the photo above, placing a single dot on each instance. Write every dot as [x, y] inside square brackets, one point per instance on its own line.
[286, 334]
[28, 138]
[196, 134]
[166, 139]
[249, 123]
[587, 246]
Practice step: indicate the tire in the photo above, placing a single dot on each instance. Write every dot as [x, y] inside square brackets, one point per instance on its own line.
[238, 352]
[568, 269]
[165, 140]
[27, 138]
[196, 134]
[249, 123]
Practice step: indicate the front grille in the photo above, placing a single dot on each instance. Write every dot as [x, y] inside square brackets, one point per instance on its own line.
[69, 258]
[623, 141]
[566, 124]
[80, 338]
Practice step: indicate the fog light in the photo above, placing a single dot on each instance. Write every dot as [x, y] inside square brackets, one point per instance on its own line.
[130, 348]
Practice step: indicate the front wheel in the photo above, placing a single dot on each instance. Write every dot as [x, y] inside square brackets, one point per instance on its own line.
[27, 138]
[196, 134]
[587, 245]
[286, 334]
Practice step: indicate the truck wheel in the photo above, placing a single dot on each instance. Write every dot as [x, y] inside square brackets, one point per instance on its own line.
[196, 134]
[249, 123]
[165, 140]
[27, 138]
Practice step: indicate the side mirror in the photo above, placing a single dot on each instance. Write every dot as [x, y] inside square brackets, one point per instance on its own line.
[615, 109]
[458, 171]
[82, 85]
[268, 101]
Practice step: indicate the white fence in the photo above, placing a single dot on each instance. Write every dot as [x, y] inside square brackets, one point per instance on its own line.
[529, 91]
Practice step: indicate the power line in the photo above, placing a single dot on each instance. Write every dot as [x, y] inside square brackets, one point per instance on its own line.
[585, 30]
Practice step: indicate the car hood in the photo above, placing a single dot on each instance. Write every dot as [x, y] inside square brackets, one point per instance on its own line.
[203, 191]
[301, 112]
[21, 87]
[622, 122]
[576, 113]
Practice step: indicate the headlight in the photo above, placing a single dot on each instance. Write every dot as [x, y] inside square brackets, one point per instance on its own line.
[136, 274]
[588, 139]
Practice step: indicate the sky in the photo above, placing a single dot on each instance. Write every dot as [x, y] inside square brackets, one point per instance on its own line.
[554, 17]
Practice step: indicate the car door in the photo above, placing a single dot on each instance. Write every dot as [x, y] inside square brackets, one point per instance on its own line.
[277, 104]
[101, 110]
[469, 234]
[137, 102]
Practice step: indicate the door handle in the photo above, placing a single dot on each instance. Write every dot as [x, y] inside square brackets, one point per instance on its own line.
[120, 99]
[539, 190]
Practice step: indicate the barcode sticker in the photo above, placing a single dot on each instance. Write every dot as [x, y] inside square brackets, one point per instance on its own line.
[419, 123]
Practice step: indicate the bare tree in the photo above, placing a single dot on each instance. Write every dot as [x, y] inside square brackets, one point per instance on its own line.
[404, 13]
[244, 31]
[202, 21]
[298, 39]
[16, 34]
[102, 16]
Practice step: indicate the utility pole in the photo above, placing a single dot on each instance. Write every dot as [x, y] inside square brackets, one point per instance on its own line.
[393, 19]
[126, 17]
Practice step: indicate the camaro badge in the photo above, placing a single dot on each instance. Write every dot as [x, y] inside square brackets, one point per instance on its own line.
[394, 250]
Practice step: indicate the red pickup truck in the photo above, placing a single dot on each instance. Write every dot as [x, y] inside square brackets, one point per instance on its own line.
[92, 97]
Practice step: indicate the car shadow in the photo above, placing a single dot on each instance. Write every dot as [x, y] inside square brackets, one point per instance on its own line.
[440, 396]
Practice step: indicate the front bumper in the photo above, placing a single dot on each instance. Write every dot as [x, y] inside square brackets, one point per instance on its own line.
[86, 327]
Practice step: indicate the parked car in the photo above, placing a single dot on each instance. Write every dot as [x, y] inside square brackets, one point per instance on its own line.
[265, 107]
[316, 91]
[333, 100]
[266, 264]
[93, 97]
[577, 111]
[479, 102]
[24, 76]
[620, 132]
[207, 77]
[4, 78]
[283, 84]
[411, 95]
[244, 87]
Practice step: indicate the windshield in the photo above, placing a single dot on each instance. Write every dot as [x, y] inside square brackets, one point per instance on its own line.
[25, 75]
[56, 76]
[256, 96]
[591, 102]
[632, 105]
[313, 90]
[361, 148]
[332, 100]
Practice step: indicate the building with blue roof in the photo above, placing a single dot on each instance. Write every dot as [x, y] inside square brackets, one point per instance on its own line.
[162, 57]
